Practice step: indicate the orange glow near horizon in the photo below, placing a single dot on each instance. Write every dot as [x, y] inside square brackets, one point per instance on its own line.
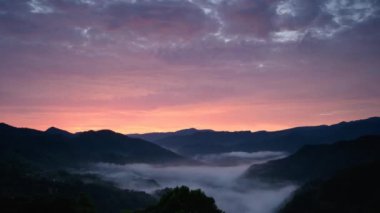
[156, 66]
[227, 117]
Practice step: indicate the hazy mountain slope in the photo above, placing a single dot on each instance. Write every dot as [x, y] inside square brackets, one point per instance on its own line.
[47, 148]
[27, 189]
[288, 140]
[318, 161]
[353, 190]
[117, 147]
[155, 136]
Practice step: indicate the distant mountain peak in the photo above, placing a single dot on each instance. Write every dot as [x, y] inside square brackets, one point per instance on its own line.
[192, 130]
[188, 129]
[103, 133]
[57, 131]
[100, 132]
[107, 132]
[3, 124]
[53, 128]
[7, 126]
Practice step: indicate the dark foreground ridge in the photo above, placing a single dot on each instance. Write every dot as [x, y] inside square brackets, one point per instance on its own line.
[352, 190]
[27, 189]
[318, 161]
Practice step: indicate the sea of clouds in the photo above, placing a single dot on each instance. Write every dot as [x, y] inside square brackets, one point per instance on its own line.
[223, 183]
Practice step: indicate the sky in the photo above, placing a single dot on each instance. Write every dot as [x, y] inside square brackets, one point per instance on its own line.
[160, 65]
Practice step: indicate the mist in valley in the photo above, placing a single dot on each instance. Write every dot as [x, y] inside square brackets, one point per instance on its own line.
[215, 177]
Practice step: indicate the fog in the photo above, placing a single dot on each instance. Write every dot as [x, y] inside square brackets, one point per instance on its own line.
[240, 158]
[223, 183]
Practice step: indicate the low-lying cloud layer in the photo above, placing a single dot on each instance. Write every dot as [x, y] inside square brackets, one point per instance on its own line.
[221, 182]
[240, 158]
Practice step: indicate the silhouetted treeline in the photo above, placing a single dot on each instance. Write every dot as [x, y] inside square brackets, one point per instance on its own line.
[183, 200]
[26, 189]
[354, 190]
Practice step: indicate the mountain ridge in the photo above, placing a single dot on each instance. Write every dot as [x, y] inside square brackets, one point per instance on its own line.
[153, 136]
[289, 140]
[354, 189]
[58, 147]
[318, 161]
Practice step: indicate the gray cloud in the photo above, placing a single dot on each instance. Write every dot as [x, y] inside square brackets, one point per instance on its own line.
[241, 158]
[172, 24]
[222, 183]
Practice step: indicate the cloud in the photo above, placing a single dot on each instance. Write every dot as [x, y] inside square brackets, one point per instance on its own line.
[286, 8]
[168, 25]
[156, 19]
[337, 16]
[346, 13]
[240, 158]
[221, 183]
[254, 155]
[287, 36]
[38, 6]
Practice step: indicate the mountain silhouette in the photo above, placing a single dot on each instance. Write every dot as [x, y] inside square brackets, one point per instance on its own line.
[154, 136]
[57, 131]
[289, 140]
[60, 148]
[352, 190]
[317, 161]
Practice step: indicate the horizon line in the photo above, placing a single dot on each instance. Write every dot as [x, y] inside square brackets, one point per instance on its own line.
[195, 128]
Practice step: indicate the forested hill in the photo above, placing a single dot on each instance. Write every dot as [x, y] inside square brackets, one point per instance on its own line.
[318, 161]
[56, 147]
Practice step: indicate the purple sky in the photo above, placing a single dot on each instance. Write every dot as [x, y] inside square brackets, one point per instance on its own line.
[160, 65]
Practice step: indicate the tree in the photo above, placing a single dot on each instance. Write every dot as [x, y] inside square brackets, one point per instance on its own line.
[183, 200]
